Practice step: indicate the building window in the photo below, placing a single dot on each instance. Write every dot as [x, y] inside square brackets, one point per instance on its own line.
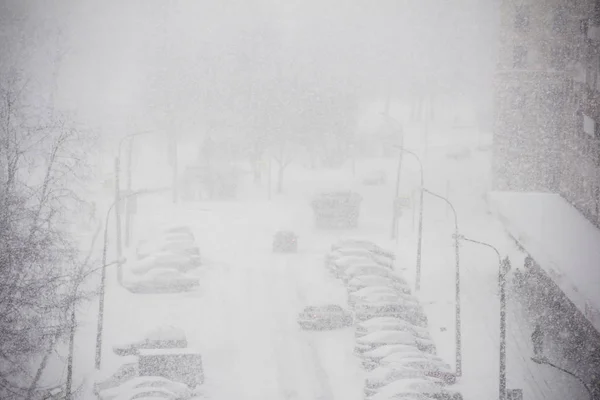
[589, 126]
[559, 22]
[558, 58]
[519, 101]
[519, 57]
[522, 18]
[583, 26]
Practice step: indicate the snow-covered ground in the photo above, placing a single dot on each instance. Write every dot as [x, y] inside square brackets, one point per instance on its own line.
[244, 315]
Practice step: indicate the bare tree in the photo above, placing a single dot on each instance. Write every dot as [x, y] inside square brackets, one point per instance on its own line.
[43, 169]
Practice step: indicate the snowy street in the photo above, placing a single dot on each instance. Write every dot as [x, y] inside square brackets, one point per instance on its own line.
[243, 318]
[262, 200]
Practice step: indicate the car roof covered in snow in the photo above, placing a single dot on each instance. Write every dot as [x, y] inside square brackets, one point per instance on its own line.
[417, 385]
[385, 336]
[423, 361]
[388, 349]
[384, 371]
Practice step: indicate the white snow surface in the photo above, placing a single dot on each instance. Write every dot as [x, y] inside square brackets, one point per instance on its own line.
[243, 317]
[561, 240]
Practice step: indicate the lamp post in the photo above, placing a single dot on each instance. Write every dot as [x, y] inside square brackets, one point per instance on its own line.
[457, 286]
[128, 215]
[103, 278]
[420, 230]
[502, 270]
[401, 147]
[544, 360]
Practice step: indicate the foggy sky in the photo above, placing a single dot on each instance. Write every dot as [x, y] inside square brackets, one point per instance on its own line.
[177, 64]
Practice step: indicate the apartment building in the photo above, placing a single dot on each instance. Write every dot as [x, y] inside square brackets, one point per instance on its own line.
[547, 110]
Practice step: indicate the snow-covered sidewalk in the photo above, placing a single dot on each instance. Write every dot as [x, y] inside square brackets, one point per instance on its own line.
[560, 240]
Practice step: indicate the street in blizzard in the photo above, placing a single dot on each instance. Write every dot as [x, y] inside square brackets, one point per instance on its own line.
[277, 201]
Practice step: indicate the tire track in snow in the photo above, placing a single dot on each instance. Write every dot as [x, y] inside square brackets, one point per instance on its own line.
[300, 374]
[311, 356]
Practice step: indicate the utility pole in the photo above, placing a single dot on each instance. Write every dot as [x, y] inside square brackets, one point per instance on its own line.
[504, 268]
[270, 179]
[458, 326]
[128, 213]
[397, 191]
[173, 159]
[100, 327]
[118, 219]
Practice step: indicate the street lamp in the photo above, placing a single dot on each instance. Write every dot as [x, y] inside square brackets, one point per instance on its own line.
[401, 147]
[101, 313]
[544, 360]
[503, 267]
[457, 285]
[129, 184]
[420, 231]
[103, 278]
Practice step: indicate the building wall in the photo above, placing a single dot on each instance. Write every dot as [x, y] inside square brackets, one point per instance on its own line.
[548, 77]
[581, 157]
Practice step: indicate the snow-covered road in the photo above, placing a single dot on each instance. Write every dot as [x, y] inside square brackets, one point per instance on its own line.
[244, 316]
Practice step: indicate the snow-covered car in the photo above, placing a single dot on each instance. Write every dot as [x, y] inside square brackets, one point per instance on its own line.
[406, 311]
[372, 363]
[340, 259]
[375, 178]
[426, 386]
[324, 317]
[388, 349]
[162, 280]
[184, 249]
[362, 244]
[381, 338]
[382, 376]
[370, 358]
[181, 390]
[366, 281]
[368, 269]
[162, 337]
[378, 339]
[378, 298]
[359, 267]
[285, 242]
[378, 294]
[390, 324]
[185, 229]
[163, 259]
[147, 393]
[429, 364]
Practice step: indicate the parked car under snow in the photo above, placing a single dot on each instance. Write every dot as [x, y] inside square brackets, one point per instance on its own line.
[161, 337]
[390, 324]
[407, 311]
[146, 384]
[365, 281]
[362, 244]
[324, 317]
[426, 386]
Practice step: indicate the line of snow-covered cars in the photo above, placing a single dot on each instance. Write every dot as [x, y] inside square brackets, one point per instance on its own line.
[164, 263]
[145, 375]
[392, 339]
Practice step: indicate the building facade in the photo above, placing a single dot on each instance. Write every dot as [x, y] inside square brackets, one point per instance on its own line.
[547, 110]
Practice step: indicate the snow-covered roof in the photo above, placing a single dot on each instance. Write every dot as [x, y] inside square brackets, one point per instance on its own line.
[561, 240]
